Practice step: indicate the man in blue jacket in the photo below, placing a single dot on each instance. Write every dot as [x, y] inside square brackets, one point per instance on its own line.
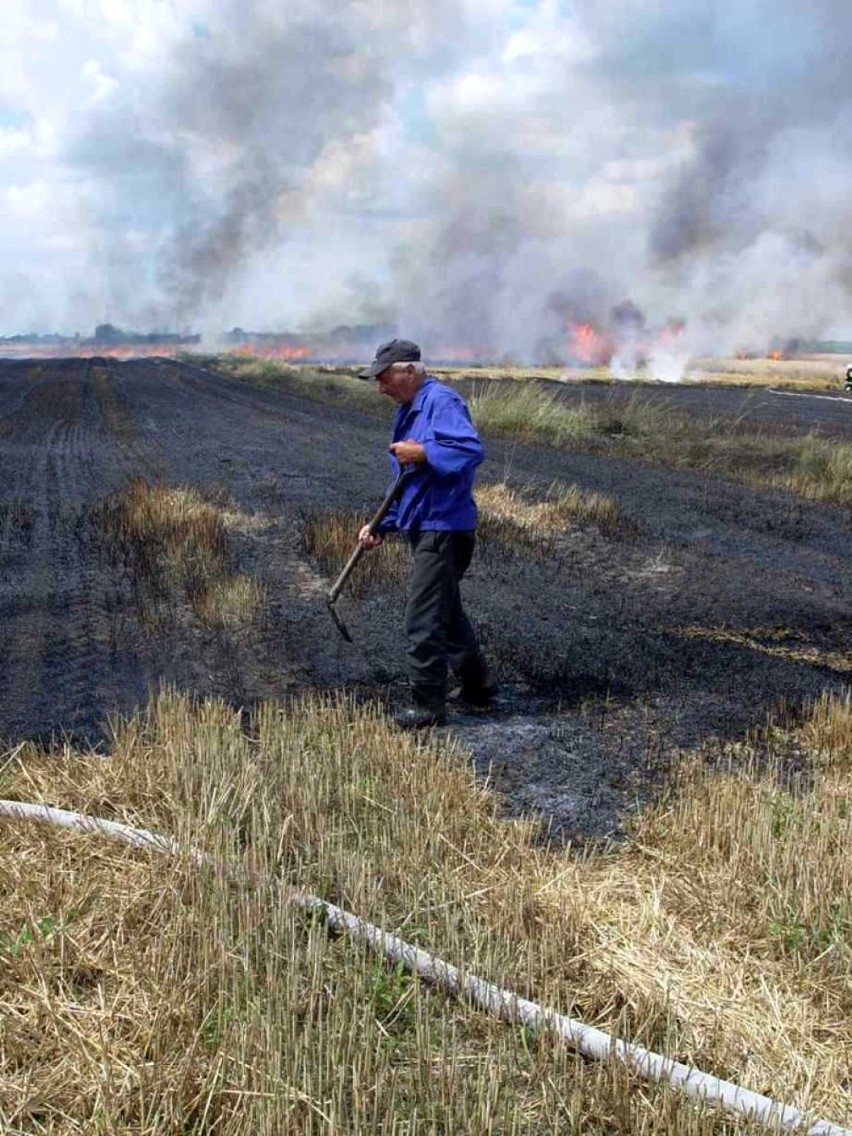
[436, 513]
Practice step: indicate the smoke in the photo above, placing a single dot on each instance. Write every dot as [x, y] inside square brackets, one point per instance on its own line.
[701, 176]
[215, 165]
[485, 174]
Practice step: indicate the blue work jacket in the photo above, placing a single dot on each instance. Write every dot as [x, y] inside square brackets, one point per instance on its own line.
[439, 493]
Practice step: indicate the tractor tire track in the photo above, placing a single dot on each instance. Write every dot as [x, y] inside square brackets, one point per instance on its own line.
[58, 608]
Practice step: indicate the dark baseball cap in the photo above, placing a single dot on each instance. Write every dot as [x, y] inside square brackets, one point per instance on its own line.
[395, 351]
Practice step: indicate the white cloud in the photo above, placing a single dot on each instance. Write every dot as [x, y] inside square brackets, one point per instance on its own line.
[14, 143]
[101, 84]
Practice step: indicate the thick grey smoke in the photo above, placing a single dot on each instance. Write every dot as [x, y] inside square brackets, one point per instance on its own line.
[486, 173]
[220, 152]
[739, 221]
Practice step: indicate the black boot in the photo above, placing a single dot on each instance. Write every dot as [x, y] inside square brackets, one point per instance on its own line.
[480, 696]
[419, 718]
[478, 687]
[428, 709]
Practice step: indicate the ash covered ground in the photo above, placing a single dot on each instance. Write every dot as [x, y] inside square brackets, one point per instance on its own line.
[608, 649]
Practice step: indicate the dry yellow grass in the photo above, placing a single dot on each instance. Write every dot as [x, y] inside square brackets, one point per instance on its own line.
[778, 642]
[563, 507]
[817, 373]
[176, 544]
[805, 373]
[140, 995]
[506, 518]
[329, 540]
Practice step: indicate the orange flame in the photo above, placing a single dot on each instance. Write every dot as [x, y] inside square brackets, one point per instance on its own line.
[669, 335]
[587, 345]
[88, 351]
[289, 352]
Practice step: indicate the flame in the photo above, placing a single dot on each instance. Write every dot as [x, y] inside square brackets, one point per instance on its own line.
[624, 347]
[668, 337]
[322, 350]
[70, 350]
[289, 352]
[776, 354]
[588, 346]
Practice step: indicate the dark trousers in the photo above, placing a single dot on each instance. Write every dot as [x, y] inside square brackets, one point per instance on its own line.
[438, 632]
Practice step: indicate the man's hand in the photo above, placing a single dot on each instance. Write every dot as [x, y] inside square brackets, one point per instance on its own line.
[408, 453]
[368, 539]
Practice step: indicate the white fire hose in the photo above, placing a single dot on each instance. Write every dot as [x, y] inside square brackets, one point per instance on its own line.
[590, 1042]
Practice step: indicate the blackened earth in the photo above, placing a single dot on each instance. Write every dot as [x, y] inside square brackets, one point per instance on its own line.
[716, 608]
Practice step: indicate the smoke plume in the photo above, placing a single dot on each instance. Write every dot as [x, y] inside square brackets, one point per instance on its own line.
[484, 175]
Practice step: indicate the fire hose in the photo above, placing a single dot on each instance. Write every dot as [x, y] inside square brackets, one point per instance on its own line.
[592, 1043]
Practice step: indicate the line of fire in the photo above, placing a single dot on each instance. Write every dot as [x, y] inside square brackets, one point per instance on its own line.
[622, 343]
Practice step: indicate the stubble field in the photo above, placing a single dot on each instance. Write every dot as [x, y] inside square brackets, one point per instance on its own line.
[670, 620]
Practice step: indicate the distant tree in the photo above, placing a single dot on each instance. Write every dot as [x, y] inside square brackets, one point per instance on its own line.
[107, 333]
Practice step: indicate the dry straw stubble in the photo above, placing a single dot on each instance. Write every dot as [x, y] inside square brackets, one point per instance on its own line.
[508, 519]
[148, 994]
[177, 546]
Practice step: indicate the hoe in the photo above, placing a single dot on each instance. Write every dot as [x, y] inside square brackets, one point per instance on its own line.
[336, 588]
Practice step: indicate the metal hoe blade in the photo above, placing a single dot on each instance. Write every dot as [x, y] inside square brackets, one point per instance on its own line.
[335, 589]
[338, 622]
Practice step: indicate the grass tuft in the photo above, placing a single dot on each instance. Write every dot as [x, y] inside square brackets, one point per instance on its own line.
[330, 539]
[176, 543]
[506, 519]
[531, 410]
[508, 516]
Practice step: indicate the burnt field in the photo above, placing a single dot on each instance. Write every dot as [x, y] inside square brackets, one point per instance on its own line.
[708, 609]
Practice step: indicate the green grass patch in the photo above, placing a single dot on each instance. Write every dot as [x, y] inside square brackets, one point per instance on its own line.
[651, 430]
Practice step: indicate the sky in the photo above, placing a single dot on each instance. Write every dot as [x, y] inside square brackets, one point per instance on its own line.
[476, 171]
